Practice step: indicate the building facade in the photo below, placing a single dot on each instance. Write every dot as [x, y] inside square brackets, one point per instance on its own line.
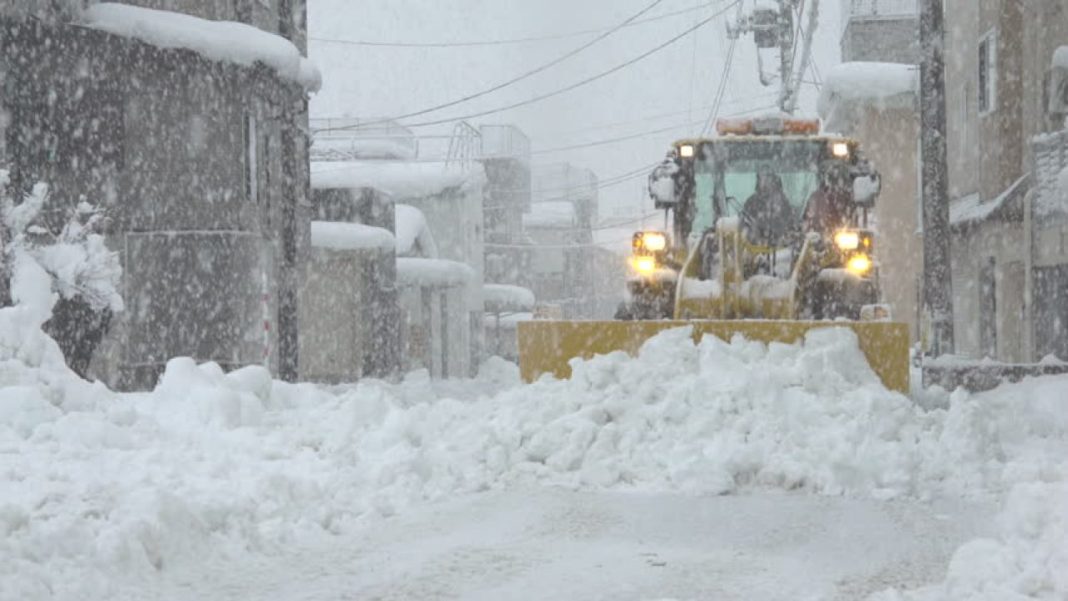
[1005, 145]
[199, 159]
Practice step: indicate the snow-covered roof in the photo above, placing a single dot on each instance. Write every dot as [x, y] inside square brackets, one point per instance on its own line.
[433, 272]
[412, 230]
[503, 297]
[338, 235]
[971, 208]
[224, 41]
[399, 179]
[880, 85]
[551, 214]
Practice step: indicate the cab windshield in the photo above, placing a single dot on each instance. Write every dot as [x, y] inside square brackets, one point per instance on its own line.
[727, 173]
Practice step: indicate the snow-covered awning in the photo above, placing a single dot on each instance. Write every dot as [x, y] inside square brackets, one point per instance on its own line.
[224, 41]
[414, 237]
[500, 298]
[338, 235]
[972, 209]
[438, 273]
[399, 179]
[854, 85]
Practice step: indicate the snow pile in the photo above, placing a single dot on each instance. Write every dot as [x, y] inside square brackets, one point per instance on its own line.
[337, 235]
[217, 40]
[414, 237]
[99, 487]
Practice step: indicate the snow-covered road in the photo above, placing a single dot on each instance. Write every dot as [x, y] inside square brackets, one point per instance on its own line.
[552, 543]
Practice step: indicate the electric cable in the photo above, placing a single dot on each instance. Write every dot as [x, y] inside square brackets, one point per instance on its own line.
[532, 72]
[522, 40]
[575, 85]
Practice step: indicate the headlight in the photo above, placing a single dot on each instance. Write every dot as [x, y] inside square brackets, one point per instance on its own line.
[686, 151]
[654, 241]
[840, 150]
[847, 240]
[859, 265]
[644, 265]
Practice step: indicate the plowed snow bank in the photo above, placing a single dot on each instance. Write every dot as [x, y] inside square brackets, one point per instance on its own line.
[97, 485]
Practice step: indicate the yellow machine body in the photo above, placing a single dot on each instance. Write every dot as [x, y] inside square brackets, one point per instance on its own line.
[546, 347]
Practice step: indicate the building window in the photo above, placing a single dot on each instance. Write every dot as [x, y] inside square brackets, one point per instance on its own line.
[251, 162]
[988, 72]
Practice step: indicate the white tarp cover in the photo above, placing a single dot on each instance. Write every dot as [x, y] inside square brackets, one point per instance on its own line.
[224, 41]
[337, 235]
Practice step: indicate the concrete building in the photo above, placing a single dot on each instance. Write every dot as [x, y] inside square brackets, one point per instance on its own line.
[876, 103]
[196, 149]
[1006, 151]
[437, 216]
[880, 31]
[568, 270]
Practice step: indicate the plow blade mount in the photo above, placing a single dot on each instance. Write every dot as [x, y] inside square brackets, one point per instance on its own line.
[545, 347]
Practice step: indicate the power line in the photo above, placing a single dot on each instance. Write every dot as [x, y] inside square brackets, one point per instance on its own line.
[522, 40]
[530, 73]
[655, 117]
[583, 82]
[639, 134]
[721, 92]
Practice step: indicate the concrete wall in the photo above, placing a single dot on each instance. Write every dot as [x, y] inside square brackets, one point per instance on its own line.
[890, 139]
[335, 337]
[1005, 245]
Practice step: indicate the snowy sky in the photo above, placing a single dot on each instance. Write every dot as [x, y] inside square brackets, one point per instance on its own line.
[673, 87]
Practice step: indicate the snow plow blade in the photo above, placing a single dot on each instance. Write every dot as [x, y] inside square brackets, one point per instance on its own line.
[546, 347]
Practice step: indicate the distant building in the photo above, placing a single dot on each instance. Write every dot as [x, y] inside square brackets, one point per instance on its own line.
[567, 268]
[195, 144]
[886, 31]
[436, 215]
[877, 103]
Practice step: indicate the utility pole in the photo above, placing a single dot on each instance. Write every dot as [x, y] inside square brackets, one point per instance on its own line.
[937, 272]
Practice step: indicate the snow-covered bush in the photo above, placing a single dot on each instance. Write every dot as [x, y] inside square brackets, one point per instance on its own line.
[77, 263]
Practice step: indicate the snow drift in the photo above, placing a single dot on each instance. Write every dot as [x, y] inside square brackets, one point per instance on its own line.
[100, 487]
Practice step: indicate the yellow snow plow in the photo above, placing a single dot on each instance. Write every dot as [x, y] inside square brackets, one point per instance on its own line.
[770, 239]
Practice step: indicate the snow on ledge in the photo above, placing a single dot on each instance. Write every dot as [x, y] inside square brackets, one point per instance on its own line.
[503, 297]
[224, 41]
[350, 236]
[412, 230]
[433, 273]
[400, 179]
[880, 85]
